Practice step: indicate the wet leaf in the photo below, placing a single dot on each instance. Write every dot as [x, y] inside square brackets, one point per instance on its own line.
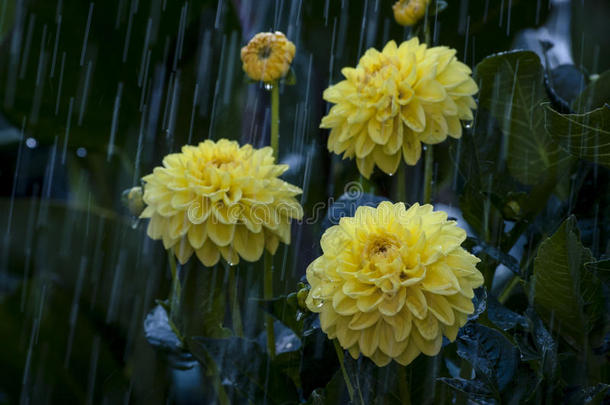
[492, 356]
[480, 302]
[475, 389]
[286, 310]
[286, 340]
[585, 136]
[511, 89]
[159, 332]
[503, 317]
[245, 368]
[565, 294]
[504, 258]
[597, 394]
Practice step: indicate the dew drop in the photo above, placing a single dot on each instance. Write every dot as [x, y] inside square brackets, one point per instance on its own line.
[268, 86]
[468, 124]
[31, 143]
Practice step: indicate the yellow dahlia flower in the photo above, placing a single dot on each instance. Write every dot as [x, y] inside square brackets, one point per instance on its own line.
[391, 282]
[396, 99]
[408, 12]
[218, 198]
[268, 56]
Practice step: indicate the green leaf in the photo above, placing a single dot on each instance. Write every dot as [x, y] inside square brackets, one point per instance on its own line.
[503, 317]
[601, 268]
[566, 295]
[475, 389]
[512, 88]
[286, 310]
[159, 332]
[597, 394]
[246, 368]
[585, 136]
[504, 258]
[492, 356]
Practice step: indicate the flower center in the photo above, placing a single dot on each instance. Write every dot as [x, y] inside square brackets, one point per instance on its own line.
[381, 248]
[265, 52]
[222, 162]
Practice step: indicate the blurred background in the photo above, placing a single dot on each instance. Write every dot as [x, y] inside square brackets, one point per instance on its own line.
[94, 94]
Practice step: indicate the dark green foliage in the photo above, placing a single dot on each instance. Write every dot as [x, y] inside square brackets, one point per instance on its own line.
[79, 319]
[246, 369]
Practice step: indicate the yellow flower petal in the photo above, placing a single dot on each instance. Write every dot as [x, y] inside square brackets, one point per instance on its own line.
[427, 327]
[369, 340]
[401, 97]
[392, 282]
[249, 245]
[221, 234]
[208, 254]
[203, 193]
[428, 347]
[416, 302]
[197, 234]
[363, 320]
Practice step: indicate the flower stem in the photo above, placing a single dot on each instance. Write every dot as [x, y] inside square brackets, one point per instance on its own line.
[268, 293]
[427, 30]
[235, 315]
[428, 169]
[348, 384]
[275, 120]
[401, 187]
[509, 287]
[174, 295]
[404, 384]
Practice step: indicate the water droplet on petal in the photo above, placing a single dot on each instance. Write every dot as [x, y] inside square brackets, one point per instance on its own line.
[468, 124]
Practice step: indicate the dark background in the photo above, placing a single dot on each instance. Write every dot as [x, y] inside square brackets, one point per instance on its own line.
[93, 95]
